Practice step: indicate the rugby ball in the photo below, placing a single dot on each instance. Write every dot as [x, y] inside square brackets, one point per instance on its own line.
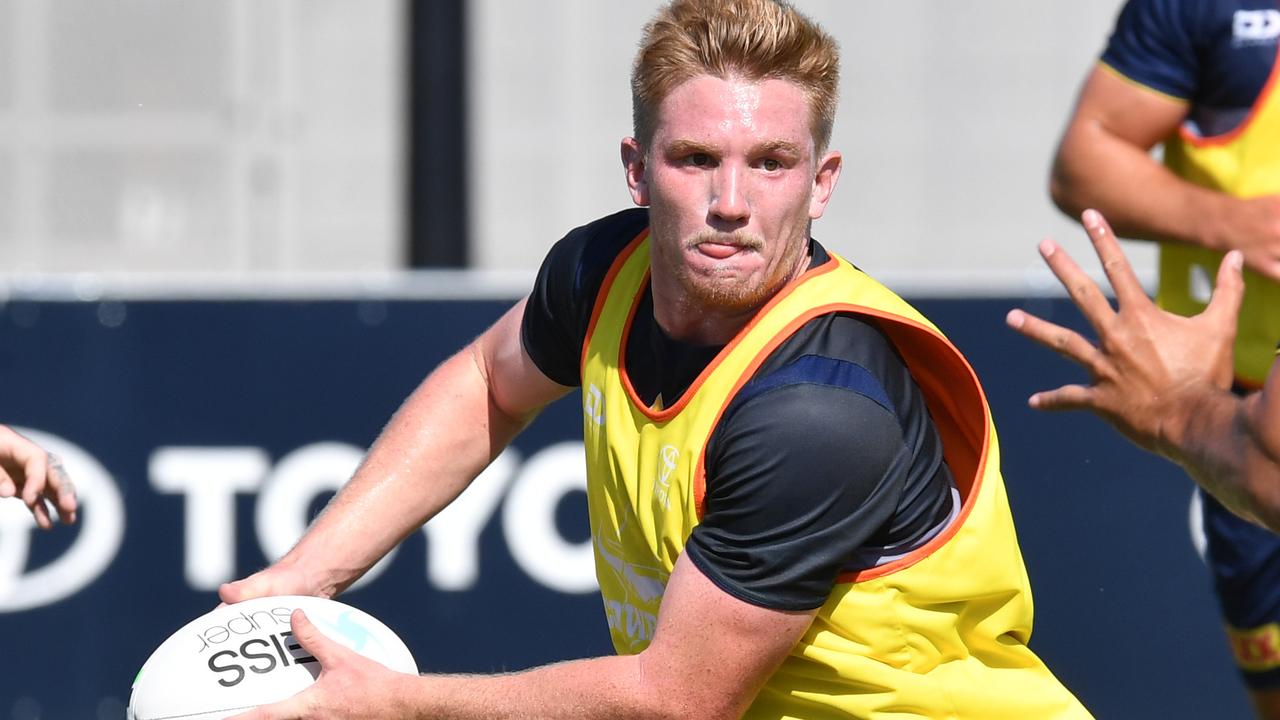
[240, 656]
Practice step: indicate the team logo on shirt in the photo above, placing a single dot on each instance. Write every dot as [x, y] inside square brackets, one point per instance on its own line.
[1255, 27]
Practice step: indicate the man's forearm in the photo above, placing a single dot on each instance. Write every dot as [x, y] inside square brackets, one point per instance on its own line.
[1141, 198]
[443, 435]
[602, 688]
[1224, 446]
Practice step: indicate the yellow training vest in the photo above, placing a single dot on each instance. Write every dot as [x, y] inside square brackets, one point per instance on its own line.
[940, 633]
[1245, 163]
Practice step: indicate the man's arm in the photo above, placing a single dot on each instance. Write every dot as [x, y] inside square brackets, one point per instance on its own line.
[1162, 380]
[1231, 447]
[1104, 162]
[29, 473]
[444, 434]
[711, 653]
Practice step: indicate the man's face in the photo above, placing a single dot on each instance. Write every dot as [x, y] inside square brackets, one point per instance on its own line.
[732, 181]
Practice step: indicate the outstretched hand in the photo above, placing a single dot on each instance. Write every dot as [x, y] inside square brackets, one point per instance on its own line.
[1148, 366]
[28, 472]
[350, 686]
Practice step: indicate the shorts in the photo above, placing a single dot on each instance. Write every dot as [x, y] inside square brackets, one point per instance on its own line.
[1245, 561]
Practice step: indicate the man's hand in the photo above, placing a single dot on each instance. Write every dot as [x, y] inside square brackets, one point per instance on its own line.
[1150, 368]
[1254, 229]
[350, 686]
[282, 578]
[28, 472]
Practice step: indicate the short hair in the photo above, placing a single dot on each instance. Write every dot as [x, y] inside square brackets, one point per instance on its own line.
[752, 39]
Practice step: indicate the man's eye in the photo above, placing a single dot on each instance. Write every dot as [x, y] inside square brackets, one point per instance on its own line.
[699, 159]
[770, 165]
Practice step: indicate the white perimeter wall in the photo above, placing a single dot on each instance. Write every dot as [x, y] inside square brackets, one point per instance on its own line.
[243, 136]
[949, 116]
[200, 135]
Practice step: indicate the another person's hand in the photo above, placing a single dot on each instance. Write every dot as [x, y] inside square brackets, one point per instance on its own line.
[350, 686]
[1149, 367]
[1254, 229]
[28, 472]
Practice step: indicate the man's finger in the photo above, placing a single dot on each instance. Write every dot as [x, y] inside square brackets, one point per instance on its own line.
[36, 469]
[61, 491]
[1119, 272]
[286, 709]
[255, 586]
[1067, 397]
[1228, 292]
[312, 640]
[7, 487]
[1068, 343]
[19, 451]
[41, 512]
[233, 592]
[1084, 292]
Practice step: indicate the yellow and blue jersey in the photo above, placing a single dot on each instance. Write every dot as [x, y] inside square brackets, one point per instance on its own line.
[940, 631]
[1220, 56]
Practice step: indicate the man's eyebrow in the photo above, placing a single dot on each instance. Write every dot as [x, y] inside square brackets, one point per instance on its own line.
[684, 147]
[689, 147]
[785, 147]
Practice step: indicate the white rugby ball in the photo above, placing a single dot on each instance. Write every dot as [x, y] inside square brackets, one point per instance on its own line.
[237, 657]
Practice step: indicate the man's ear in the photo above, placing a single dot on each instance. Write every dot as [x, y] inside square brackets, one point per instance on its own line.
[633, 163]
[824, 183]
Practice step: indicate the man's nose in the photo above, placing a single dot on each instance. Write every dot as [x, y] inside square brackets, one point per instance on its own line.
[728, 201]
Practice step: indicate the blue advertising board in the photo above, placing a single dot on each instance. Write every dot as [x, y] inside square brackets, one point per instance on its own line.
[204, 434]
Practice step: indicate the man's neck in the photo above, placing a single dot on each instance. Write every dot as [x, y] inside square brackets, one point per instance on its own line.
[698, 322]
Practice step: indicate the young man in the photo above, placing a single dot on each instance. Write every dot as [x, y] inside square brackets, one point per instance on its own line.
[1198, 76]
[793, 478]
[29, 473]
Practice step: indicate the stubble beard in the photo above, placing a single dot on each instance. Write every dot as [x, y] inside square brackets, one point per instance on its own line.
[722, 289]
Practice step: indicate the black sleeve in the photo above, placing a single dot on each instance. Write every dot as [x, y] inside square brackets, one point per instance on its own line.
[802, 474]
[564, 293]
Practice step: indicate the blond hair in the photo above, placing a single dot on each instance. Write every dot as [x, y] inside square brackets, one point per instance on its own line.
[751, 39]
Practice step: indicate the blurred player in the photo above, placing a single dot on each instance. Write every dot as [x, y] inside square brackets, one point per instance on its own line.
[29, 473]
[793, 481]
[1198, 76]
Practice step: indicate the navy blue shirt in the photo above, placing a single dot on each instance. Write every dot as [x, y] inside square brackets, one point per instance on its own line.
[1215, 54]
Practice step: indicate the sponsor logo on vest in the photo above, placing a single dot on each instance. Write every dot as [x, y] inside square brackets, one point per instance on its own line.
[1256, 649]
[1255, 27]
[668, 456]
[632, 619]
[593, 404]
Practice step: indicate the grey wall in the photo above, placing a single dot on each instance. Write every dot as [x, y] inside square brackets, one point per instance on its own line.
[950, 113]
[247, 136]
[223, 135]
